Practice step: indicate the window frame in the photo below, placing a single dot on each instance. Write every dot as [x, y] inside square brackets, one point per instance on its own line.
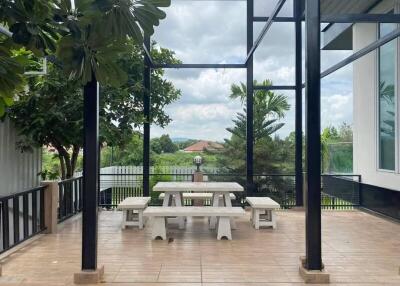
[396, 107]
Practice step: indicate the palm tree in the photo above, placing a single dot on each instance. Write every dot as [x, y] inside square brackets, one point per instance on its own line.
[269, 107]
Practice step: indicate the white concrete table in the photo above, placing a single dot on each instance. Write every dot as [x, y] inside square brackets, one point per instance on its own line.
[174, 190]
[262, 211]
[132, 208]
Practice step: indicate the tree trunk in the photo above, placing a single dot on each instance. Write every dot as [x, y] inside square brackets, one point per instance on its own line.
[65, 160]
[74, 158]
[62, 166]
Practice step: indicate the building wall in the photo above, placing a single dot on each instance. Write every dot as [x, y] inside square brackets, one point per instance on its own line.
[18, 171]
[365, 81]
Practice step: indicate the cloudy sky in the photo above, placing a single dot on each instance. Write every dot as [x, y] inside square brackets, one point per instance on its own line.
[215, 32]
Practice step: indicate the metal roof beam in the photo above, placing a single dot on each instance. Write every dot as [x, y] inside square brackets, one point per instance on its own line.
[199, 66]
[265, 29]
[361, 18]
[274, 87]
[371, 47]
[276, 19]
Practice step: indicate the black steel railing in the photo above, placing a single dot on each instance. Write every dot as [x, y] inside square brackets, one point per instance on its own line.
[69, 198]
[339, 192]
[22, 217]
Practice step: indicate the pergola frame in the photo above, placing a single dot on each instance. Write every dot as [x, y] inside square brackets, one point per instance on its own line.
[304, 10]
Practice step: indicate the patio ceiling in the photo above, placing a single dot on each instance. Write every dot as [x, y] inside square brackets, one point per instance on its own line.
[339, 36]
[346, 7]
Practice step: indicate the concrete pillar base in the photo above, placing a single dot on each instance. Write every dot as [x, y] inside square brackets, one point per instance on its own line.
[89, 276]
[313, 276]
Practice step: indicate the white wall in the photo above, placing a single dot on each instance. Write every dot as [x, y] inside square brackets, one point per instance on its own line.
[18, 171]
[365, 81]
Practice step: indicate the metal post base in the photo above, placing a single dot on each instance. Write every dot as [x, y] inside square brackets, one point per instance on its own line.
[313, 276]
[89, 276]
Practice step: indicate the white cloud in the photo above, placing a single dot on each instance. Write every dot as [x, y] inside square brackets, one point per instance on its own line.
[215, 32]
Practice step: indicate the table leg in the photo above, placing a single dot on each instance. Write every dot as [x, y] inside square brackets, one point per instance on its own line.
[228, 203]
[158, 229]
[178, 203]
[215, 202]
[224, 228]
[166, 199]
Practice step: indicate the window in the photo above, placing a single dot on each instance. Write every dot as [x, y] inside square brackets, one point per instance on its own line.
[387, 101]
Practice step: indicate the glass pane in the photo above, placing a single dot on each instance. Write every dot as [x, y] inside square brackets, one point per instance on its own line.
[387, 99]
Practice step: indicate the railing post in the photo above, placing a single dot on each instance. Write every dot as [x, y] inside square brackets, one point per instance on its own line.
[50, 206]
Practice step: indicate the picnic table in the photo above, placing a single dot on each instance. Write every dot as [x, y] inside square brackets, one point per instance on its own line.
[174, 190]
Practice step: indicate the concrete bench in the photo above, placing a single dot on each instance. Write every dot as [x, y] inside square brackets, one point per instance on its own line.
[201, 196]
[132, 208]
[262, 211]
[224, 214]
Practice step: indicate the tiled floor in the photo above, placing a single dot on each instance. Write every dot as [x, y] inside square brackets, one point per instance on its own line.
[358, 249]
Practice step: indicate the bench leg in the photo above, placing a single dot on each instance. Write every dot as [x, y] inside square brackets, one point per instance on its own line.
[124, 218]
[273, 219]
[224, 228]
[140, 219]
[256, 218]
[158, 228]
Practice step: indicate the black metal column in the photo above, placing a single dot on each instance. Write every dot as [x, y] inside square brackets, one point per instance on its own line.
[90, 175]
[146, 125]
[298, 11]
[313, 137]
[249, 102]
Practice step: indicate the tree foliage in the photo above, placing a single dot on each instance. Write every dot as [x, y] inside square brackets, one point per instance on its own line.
[50, 112]
[269, 108]
[87, 40]
[31, 26]
[337, 149]
[163, 144]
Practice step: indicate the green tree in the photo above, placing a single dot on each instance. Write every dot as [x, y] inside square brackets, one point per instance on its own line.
[32, 26]
[58, 109]
[269, 108]
[163, 144]
[167, 146]
[336, 149]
